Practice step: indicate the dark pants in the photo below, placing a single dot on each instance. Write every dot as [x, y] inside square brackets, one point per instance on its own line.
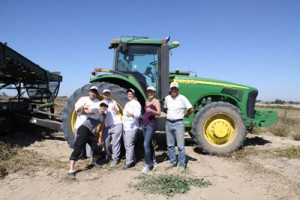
[84, 135]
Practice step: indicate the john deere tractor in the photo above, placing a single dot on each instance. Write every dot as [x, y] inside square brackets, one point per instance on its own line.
[224, 111]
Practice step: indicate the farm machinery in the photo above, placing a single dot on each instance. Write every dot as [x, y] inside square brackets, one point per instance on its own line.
[36, 90]
[224, 111]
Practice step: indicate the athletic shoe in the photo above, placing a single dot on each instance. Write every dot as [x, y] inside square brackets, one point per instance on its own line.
[125, 166]
[145, 170]
[113, 164]
[71, 176]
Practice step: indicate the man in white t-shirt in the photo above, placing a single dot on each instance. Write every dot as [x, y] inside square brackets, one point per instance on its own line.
[91, 102]
[176, 105]
[113, 130]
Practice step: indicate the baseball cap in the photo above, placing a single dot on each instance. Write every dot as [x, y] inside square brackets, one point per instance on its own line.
[106, 90]
[151, 88]
[103, 103]
[94, 88]
[174, 84]
[130, 90]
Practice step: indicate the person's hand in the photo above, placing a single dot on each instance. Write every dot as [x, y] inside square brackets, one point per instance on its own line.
[129, 114]
[85, 106]
[148, 109]
[113, 107]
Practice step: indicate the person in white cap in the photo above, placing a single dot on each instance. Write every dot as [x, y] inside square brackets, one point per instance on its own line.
[89, 101]
[152, 109]
[113, 130]
[176, 105]
[85, 134]
[131, 115]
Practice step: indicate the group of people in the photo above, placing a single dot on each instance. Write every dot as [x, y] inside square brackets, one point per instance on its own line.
[97, 120]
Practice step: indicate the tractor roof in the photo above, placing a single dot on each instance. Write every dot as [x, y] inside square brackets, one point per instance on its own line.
[136, 40]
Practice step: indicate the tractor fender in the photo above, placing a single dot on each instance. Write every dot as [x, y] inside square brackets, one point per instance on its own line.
[124, 82]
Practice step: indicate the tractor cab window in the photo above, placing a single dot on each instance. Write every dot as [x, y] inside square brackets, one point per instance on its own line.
[142, 62]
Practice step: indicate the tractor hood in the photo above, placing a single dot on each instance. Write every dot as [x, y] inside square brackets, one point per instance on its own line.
[183, 77]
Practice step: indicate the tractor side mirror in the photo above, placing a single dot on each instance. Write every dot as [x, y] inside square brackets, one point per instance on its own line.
[123, 47]
[148, 71]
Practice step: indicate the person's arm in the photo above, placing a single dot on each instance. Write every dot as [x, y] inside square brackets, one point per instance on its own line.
[99, 130]
[136, 110]
[189, 107]
[85, 110]
[116, 108]
[79, 104]
[158, 108]
[189, 111]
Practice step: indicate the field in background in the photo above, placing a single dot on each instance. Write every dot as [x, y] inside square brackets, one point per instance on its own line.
[288, 121]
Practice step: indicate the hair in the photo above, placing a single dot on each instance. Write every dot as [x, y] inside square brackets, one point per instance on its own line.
[103, 105]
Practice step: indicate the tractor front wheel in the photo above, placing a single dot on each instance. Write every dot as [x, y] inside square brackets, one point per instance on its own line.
[69, 115]
[219, 128]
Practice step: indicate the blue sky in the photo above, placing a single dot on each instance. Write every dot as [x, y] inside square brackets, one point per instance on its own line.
[252, 42]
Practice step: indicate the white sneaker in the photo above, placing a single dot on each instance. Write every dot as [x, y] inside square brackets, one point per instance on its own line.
[155, 164]
[145, 170]
[94, 163]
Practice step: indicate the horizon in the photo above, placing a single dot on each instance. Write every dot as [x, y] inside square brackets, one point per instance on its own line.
[252, 42]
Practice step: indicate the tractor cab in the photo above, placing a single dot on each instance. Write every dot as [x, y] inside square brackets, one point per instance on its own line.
[145, 59]
[141, 61]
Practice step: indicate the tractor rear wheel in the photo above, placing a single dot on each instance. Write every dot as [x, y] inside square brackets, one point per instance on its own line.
[219, 128]
[69, 115]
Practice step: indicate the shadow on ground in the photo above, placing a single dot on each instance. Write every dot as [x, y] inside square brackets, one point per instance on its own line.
[24, 137]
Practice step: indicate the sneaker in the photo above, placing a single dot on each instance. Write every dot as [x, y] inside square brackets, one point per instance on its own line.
[113, 164]
[95, 164]
[145, 170]
[155, 164]
[171, 165]
[125, 166]
[71, 176]
[181, 169]
[103, 161]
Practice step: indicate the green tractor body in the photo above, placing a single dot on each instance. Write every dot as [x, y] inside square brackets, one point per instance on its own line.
[224, 111]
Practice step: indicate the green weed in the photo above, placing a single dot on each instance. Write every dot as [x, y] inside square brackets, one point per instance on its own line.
[168, 185]
[291, 153]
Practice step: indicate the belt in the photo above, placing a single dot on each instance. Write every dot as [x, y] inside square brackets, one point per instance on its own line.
[174, 120]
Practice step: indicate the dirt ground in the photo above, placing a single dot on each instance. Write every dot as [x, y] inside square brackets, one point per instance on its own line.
[254, 174]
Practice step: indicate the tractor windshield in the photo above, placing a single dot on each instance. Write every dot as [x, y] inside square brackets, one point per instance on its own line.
[142, 62]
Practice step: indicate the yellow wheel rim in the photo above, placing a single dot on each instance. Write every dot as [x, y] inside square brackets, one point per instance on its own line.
[219, 129]
[73, 120]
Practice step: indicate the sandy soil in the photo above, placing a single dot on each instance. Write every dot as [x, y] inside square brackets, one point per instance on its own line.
[255, 176]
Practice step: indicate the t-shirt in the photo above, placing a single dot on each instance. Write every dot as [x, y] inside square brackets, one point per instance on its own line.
[93, 120]
[91, 104]
[112, 118]
[176, 106]
[131, 123]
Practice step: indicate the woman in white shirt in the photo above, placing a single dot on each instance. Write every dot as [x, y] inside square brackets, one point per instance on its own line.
[131, 115]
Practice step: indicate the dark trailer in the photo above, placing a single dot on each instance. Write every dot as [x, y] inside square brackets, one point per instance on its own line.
[36, 90]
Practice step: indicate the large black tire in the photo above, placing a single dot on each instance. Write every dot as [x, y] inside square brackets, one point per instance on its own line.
[69, 115]
[219, 128]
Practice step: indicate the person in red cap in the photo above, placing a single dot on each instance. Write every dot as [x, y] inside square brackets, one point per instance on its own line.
[178, 107]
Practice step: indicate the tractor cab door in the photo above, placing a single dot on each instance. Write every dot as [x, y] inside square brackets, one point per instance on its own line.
[141, 61]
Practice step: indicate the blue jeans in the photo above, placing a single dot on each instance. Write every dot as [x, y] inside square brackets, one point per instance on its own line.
[149, 130]
[175, 133]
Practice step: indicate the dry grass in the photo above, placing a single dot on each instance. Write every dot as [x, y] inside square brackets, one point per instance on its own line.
[288, 124]
[14, 159]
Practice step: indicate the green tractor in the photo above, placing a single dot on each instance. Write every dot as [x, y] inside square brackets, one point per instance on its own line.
[224, 111]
